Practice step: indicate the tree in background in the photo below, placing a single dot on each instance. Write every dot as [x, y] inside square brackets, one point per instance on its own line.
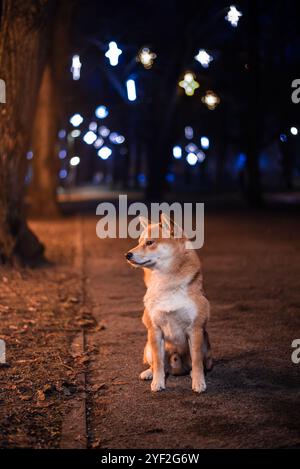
[24, 36]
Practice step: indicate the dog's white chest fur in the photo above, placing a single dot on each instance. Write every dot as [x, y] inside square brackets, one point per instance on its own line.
[173, 311]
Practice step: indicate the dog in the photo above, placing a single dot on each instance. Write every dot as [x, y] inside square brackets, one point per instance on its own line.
[176, 310]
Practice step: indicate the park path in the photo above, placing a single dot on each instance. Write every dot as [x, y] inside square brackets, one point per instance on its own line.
[75, 342]
[251, 273]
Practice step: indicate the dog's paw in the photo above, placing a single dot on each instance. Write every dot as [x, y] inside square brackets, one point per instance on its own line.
[199, 386]
[158, 385]
[146, 375]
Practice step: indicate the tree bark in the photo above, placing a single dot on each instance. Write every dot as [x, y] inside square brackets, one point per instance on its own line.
[22, 54]
[42, 192]
[50, 111]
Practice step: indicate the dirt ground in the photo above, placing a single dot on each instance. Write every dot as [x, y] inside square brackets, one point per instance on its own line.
[251, 276]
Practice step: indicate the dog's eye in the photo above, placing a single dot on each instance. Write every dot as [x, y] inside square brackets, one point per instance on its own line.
[149, 242]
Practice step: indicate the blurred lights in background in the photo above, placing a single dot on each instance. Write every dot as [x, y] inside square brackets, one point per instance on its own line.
[204, 142]
[99, 142]
[189, 84]
[116, 138]
[75, 133]
[62, 154]
[131, 89]
[63, 174]
[177, 152]
[104, 153]
[283, 137]
[233, 16]
[74, 161]
[146, 57]
[93, 126]
[200, 156]
[113, 53]
[76, 120]
[203, 58]
[101, 112]
[191, 148]
[211, 99]
[90, 137]
[188, 132]
[294, 130]
[29, 155]
[62, 134]
[191, 159]
[76, 67]
[104, 131]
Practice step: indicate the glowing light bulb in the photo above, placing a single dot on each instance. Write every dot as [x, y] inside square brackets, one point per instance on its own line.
[233, 16]
[294, 130]
[191, 159]
[76, 120]
[101, 112]
[104, 153]
[113, 53]
[204, 142]
[131, 89]
[177, 152]
[203, 58]
[76, 67]
[90, 137]
[146, 57]
[211, 100]
[189, 84]
[74, 161]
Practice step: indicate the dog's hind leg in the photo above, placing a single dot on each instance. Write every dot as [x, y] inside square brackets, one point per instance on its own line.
[147, 374]
[207, 355]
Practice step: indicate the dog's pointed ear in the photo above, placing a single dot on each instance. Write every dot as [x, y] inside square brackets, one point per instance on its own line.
[169, 226]
[143, 221]
[166, 222]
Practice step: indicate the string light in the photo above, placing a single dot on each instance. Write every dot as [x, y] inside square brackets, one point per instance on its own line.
[74, 161]
[146, 57]
[211, 100]
[189, 84]
[191, 159]
[104, 153]
[204, 142]
[189, 132]
[90, 137]
[131, 89]
[294, 130]
[76, 120]
[233, 16]
[177, 152]
[113, 53]
[101, 112]
[76, 67]
[203, 58]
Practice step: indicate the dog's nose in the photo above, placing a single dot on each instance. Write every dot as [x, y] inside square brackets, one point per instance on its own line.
[129, 255]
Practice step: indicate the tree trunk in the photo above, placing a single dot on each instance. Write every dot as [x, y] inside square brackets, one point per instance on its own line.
[50, 111]
[22, 52]
[42, 193]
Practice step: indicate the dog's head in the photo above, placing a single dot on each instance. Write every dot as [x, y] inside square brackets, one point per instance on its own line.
[159, 245]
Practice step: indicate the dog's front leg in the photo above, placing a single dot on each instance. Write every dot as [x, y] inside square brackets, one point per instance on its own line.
[195, 343]
[156, 342]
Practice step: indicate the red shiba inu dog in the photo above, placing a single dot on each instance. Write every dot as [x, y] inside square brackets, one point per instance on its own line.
[176, 310]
